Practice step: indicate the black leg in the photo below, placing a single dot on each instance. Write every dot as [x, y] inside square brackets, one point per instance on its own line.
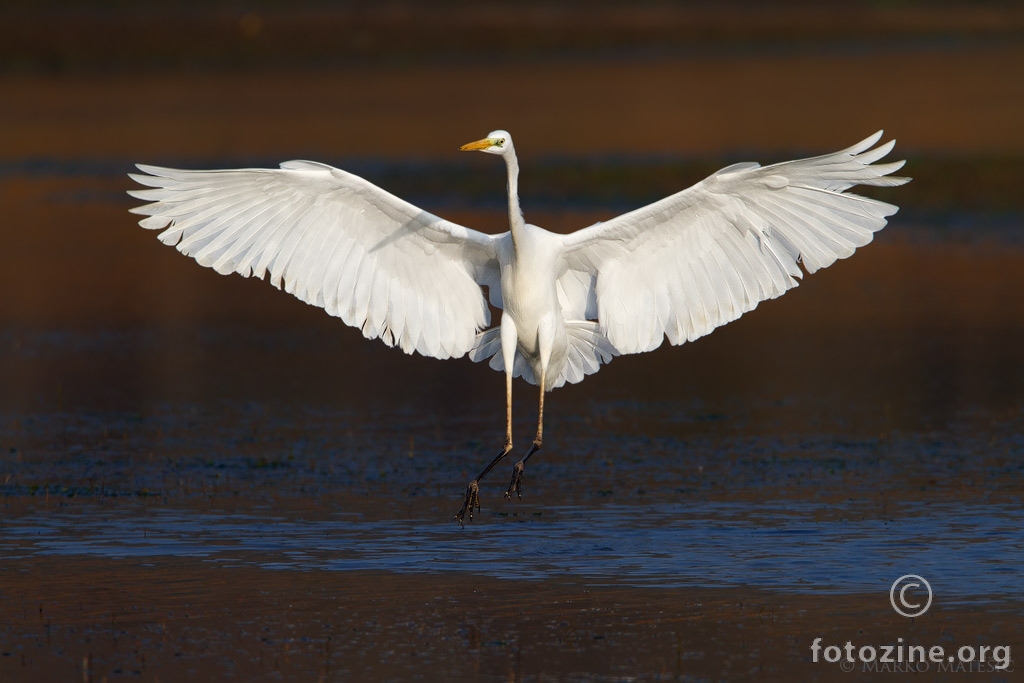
[473, 489]
[517, 473]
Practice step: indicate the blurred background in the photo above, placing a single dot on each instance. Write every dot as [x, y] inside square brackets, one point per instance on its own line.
[876, 408]
[611, 105]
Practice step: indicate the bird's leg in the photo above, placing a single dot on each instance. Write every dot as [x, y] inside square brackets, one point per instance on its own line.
[473, 489]
[519, 467]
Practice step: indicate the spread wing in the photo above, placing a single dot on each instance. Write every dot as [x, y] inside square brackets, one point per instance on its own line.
[682, 266]
[333, 240]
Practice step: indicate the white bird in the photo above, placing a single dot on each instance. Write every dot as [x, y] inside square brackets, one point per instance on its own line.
[677, 268]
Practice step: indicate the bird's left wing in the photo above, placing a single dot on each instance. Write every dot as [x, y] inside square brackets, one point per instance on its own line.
[682, 266]
[333, 240]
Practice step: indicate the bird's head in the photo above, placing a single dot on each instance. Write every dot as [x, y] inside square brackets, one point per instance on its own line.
[496, 142]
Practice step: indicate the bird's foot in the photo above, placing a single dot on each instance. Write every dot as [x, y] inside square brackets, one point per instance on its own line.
[517, 479]
[517, 471]
[472, 500]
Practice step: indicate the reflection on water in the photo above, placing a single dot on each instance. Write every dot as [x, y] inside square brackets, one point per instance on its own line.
[973, 552]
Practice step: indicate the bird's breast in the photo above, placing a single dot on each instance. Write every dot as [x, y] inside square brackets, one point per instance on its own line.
[529, 290]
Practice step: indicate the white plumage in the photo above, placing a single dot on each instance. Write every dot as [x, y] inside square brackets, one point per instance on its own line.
[335, 241]
[677, 268]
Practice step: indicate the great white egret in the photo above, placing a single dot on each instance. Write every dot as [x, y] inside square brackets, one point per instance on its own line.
[677, 268]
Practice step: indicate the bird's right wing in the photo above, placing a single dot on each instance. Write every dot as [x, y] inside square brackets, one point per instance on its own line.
[682, 266]
[333, 240]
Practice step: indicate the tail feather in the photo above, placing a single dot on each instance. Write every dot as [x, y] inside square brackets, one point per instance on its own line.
[488, 343]
[588, 350]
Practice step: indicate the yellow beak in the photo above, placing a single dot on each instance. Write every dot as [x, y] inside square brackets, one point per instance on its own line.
[479, 144]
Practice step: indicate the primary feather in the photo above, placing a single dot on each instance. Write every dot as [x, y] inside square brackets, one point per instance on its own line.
[333, 240]
[682, 266]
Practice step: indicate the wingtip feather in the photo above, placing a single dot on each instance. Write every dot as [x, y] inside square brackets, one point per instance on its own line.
[865, 144]
[160, 171]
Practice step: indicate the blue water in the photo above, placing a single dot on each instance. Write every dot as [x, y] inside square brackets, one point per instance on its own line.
[966, 554]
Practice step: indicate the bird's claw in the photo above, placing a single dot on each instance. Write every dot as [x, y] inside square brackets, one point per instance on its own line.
[517, 479]
[472, 499]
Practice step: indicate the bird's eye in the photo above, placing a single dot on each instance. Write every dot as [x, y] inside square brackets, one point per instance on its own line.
[500, 142]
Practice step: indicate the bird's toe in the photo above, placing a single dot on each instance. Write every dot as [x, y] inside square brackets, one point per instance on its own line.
[516, 483]
[472, 500]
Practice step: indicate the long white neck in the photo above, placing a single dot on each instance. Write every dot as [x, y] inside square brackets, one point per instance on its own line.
[515, 214]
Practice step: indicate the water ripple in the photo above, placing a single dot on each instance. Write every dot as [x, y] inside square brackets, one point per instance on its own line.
[771, 546]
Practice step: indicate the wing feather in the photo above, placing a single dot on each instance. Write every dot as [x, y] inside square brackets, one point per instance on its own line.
[396, 313]
[333, 240]
[682, 266]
